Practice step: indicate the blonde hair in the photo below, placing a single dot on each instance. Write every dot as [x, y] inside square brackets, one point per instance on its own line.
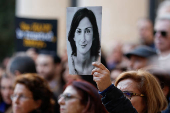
[149, 86]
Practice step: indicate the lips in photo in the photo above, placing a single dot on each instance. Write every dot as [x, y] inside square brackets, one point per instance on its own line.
[83, 45]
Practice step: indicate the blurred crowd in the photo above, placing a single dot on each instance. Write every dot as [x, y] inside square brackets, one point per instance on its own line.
[38, 81]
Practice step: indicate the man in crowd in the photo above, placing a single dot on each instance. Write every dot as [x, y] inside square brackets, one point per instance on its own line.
[140, 57]
[162, 39]
[48, 65]
[145, 31]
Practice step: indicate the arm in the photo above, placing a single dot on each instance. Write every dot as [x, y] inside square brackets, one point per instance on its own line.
[113, 98]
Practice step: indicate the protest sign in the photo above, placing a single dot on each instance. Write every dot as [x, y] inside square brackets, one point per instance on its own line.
[83, 38]
[36, 33]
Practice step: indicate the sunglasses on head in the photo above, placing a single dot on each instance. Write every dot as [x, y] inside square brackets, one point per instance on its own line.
[163, 33]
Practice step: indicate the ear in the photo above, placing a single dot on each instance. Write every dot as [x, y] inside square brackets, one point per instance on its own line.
[37, 104]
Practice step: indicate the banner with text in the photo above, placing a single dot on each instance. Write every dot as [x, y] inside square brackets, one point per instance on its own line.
[36, 33]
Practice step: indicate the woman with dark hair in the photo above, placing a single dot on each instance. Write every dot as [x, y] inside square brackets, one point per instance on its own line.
[80, 97]
[85, 43]
[32, 95]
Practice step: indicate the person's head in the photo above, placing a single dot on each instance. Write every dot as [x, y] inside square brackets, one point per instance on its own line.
[145, 31]
[162, 34]
[149, 97]
[21, 64]
[31, 93]
[140, 57]
[137, 62]
[48, 65]
[80, 97]
[6, 85]
[84, 35]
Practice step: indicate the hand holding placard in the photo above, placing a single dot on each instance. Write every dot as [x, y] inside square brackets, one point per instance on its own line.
[101, 75]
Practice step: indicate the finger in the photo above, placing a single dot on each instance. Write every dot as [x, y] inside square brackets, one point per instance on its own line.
[96, 74]
[96, 70]
[99, 65]
[96, 79]
[93, 71]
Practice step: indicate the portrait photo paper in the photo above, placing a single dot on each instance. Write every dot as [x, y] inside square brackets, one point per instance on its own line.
[83, 38]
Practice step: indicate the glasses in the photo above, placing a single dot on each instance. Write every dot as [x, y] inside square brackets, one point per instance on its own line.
[130, 94]
[67, 96]
[87, 31]
[163, 33]
[20, 97]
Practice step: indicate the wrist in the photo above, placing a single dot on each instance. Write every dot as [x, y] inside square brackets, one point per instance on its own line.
[106, 86]
[106, 90]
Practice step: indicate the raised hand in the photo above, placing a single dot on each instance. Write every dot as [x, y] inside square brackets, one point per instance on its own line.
[101, 75]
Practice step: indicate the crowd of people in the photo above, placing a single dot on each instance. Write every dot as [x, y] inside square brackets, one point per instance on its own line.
[133, 78]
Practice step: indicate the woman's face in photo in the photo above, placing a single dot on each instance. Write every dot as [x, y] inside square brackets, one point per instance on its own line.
[84, 36]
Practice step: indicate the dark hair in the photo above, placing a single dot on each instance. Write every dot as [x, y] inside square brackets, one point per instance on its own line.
[40, 91]
[78, 16]
[90, 97]
[24, 64]
[56, 58]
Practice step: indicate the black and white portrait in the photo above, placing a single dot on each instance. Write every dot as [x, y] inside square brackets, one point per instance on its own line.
[83, 38]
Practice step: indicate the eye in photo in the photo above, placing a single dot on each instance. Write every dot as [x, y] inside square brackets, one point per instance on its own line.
[83, 38]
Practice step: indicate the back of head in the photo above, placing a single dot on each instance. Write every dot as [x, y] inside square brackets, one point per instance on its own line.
[90, 97]
[40, 90]
[149, 86]
[21, 63]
